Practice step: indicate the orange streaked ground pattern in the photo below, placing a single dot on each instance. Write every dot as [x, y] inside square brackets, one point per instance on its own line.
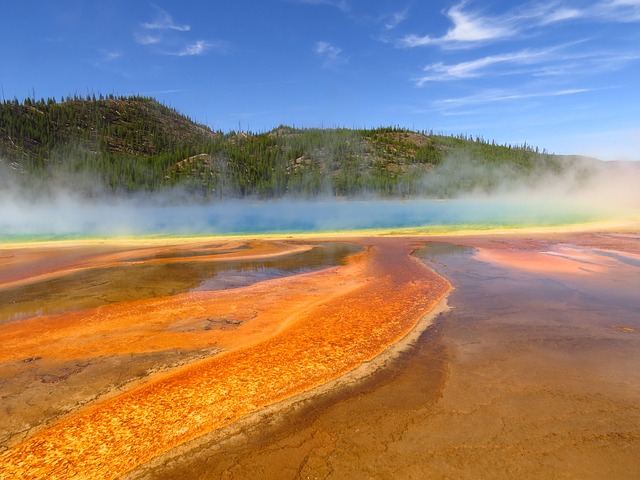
[290, 334]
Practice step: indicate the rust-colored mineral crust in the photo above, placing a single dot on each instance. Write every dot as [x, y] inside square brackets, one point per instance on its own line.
[303, 331]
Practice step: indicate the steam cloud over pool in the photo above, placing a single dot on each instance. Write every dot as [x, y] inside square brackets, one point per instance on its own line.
[70, 216]
[609, 193]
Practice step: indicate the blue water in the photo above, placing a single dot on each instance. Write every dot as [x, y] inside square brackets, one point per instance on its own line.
[75, 218]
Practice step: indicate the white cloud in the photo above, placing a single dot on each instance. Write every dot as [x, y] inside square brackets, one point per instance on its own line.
[331, 54]
[396, 19]
[166, 37]
[502, 95]
[144, 39]
[529, 61]
[164, 21]
[199, 47]
[343, 5]
[110, 55]
[569, 60]
[474, 68]
[622, 11]
[473, 27]
[588, 63]
[619, 10]
[325, 48]
[559, 15]
[468, 27]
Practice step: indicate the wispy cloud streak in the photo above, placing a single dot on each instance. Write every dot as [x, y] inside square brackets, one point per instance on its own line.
[471, 27]
[110, 55]
[468, 27]
[342, 5]
[167, 37]
[199, 47]
[164, 21]
[396, 19]
[506, 95]
[558, 61]
[145, 39]
[331, 54]
[478, 67]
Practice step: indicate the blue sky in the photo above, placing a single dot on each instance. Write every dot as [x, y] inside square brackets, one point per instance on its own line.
[563, 76]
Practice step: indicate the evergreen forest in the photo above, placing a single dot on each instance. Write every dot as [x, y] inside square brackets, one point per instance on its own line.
[126, 145]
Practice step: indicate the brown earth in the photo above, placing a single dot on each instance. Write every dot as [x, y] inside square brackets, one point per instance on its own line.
[532, 374]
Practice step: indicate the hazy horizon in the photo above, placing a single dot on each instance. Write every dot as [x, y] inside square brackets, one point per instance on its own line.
[607, 193]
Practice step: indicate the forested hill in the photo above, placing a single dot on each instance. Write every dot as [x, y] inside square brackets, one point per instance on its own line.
[124, 145]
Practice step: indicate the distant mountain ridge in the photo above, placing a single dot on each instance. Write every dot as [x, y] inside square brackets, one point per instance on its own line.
[125, 145]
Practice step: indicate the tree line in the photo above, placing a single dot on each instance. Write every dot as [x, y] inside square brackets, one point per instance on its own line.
[123, 145]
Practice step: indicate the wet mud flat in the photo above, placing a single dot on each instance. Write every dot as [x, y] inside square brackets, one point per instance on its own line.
[188, 359]
[534, 373]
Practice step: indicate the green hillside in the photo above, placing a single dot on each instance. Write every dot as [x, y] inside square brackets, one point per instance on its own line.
[124, 145]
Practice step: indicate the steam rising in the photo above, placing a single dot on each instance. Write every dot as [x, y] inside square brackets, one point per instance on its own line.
[596, 191]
